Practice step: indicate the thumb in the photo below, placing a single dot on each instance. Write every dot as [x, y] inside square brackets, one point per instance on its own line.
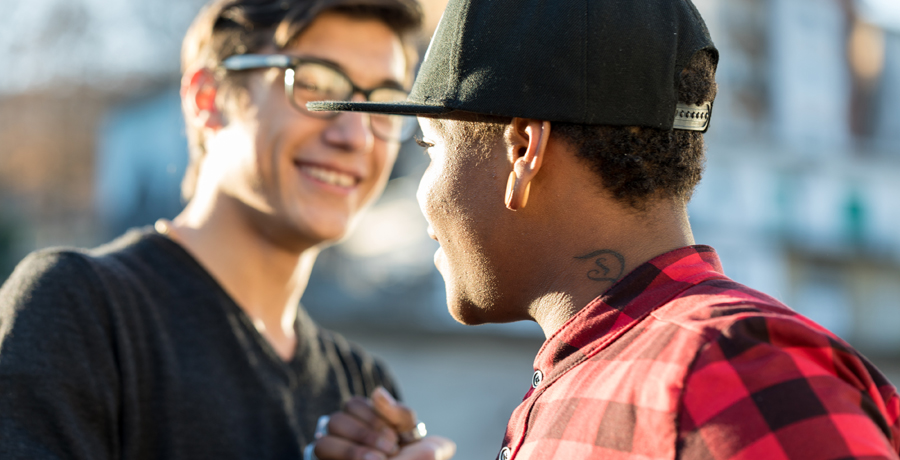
[395, 413]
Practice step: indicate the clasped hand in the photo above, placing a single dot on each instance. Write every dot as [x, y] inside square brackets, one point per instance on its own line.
[369, 430]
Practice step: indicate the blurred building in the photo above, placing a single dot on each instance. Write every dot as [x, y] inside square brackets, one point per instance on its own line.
[801, 189]
[78, 162]
[801, 196]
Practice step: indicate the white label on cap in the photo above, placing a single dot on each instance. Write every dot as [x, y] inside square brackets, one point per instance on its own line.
[692, 117]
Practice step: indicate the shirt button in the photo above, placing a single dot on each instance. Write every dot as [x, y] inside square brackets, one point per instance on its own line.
[536, 379]
[504, 454]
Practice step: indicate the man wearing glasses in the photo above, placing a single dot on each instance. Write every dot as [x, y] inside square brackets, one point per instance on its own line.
[186, 340]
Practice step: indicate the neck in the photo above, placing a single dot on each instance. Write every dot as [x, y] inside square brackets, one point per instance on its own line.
[591, 259]
[263, 278]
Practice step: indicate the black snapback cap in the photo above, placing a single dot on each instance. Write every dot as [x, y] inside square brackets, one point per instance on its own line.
[600, 62]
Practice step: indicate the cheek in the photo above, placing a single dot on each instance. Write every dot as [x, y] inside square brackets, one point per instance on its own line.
[428, 193]
[231, 156]
[382, 163]
[383, 160]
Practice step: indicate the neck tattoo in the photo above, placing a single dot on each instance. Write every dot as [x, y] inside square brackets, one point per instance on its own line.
[610, 265]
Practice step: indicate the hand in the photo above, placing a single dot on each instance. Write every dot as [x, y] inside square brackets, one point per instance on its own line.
[367, 430]
[428, 448]
[401, 418]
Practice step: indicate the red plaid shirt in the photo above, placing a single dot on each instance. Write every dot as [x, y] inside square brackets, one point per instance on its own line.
[678, 361]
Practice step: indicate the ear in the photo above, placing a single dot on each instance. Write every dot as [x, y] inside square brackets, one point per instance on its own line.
[528, 140]
[198, 99]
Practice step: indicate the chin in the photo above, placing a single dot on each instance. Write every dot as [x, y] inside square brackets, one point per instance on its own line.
[325, 231]
[327, 237]
[300, 238]
[484, 310]
[467, 312]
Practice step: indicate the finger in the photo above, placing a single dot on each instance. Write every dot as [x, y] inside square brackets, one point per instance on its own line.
[362, 409]
[335, 448]
[429, 448]
[397, 414]
[350, 428]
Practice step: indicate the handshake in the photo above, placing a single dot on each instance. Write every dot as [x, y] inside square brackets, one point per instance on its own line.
[376, 429]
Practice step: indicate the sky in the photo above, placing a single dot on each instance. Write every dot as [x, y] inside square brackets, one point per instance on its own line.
[44, 43]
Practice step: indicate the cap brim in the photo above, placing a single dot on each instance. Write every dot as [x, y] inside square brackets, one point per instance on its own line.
[397, 108]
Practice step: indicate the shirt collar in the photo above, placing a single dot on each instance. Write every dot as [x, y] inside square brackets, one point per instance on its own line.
[632, 298]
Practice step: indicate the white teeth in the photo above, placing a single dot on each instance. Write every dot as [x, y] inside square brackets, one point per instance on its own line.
[330, 176]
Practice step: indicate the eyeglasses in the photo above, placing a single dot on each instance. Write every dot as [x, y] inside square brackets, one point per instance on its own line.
[308, 80]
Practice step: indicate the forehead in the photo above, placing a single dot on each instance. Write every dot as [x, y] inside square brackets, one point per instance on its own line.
[469, 131]
[445, 130]
[431, 127]
[365, 48]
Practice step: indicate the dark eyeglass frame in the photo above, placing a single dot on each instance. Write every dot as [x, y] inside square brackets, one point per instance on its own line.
[240, 62]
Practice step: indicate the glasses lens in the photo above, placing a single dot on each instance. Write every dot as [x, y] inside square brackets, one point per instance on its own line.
[391, 127]
[316, 82]
[388, 95]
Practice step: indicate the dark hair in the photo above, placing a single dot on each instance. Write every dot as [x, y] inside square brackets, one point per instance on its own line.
[639, 164]
[634, 164]
[228, 27]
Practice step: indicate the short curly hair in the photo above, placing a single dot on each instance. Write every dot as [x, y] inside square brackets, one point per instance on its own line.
[637, 165]
[634, 164]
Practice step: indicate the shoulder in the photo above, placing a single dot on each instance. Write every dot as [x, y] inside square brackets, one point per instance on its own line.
[734, 323]
[62, 289]
[56, 271]
[52, 317]
[712, 307]
[764, 373]
[48, 288]
[47, 272]
[57, 365]
[716, 310]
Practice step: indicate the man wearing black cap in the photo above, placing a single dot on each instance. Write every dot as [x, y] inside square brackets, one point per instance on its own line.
[565, 140]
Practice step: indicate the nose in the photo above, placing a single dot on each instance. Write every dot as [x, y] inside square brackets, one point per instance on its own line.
[351, 131]
[422, 194]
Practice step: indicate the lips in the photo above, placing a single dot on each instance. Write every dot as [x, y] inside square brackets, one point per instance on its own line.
[329, 176]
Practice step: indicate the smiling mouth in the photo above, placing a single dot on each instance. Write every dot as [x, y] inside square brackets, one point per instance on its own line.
[330, 176]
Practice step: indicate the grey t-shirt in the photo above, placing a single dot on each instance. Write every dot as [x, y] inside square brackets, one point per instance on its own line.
[133, 351]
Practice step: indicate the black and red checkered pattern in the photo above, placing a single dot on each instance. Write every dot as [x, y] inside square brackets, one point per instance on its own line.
[678, 361]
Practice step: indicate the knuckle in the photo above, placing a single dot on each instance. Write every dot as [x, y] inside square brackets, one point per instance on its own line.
[336, 423]
[361, 409]
[355, 452]
[324, 448]
[367, 415]
[371, 438]
[350, 428]
[388, 435]
[355, 401]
